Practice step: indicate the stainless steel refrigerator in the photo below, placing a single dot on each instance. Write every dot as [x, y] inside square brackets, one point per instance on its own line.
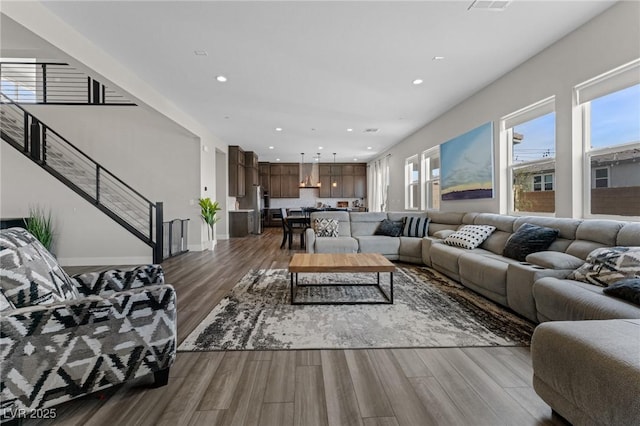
[253, 199]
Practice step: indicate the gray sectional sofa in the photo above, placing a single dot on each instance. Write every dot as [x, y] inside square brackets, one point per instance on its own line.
[537, 288]
[587, 371]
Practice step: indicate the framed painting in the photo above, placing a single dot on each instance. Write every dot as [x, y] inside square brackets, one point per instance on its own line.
[467, 165]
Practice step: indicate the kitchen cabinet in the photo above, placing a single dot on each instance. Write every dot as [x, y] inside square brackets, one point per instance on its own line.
[284, 180]
[348, 188]
[251, 169]
[360, 186]
[336, 191]
[350, 179]
[236, 171]
[264, 175]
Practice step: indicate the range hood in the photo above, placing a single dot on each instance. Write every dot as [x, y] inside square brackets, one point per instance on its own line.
[309, 175]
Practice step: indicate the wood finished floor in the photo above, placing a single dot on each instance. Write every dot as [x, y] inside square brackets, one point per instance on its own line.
[456, 386]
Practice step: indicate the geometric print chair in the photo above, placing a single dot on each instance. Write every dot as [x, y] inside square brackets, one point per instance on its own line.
[64, 337]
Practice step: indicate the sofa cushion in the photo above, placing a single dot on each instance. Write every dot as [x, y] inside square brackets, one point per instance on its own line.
[379, 244]
[444, 233]
[366, 223]
[336, 245]
[568, 300]
[487, 272]
[528, 239]
[627, 289]
[469, 236]
[344, 223]
[410, 247]
[389, 228]
[325, 227]
[29, 274]
[607, 265]
[415, 226]
[554, 260]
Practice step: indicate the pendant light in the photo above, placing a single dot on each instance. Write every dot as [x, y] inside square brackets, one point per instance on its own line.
[335, 182]
[302, 179]
[318, 160]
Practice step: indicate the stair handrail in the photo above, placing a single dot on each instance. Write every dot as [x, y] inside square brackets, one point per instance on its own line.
[157, 244]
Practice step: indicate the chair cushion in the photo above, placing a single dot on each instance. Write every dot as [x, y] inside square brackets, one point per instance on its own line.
[29, 274]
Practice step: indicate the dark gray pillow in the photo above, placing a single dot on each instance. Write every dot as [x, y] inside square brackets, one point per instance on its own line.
[627, 289]
[529, 239]
[389, 228]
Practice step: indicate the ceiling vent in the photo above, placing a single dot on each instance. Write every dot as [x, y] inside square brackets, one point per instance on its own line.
[489, 5]
[371, 130]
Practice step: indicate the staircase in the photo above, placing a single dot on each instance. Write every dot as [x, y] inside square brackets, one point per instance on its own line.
[82, 174]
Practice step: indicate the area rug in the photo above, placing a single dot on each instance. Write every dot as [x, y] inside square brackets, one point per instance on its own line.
[429, 311]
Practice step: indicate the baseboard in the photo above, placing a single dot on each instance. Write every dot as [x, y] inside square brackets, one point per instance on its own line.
[222, 236]
[102, 261]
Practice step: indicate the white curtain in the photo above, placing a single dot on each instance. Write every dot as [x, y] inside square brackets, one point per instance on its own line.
[379, 179]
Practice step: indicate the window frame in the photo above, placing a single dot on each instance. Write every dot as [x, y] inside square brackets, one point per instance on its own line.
[409, 184]
[507, 124]
[620, 78]
[426, 181]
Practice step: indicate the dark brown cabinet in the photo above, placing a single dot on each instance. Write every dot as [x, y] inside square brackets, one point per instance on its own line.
[350, 180]
[284, 180]
[236, 171]
[251, 169]
[264, 173]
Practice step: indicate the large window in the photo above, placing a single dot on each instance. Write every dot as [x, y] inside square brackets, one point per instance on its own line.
[412, 183]
[611, 131]
[19, 79]
[431, 179]
[531, 137]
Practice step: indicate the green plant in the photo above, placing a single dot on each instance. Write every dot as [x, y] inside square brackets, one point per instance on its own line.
[208, 210]
[39, 225]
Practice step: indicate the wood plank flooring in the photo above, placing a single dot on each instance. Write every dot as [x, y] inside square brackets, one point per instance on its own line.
[452, 386]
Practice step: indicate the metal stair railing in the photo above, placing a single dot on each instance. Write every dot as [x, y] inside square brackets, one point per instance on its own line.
[54, 83]
[82, 174]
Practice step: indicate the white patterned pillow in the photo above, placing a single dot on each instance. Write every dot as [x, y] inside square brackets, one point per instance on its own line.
[325, 227]
[607, 265]
[469, 236]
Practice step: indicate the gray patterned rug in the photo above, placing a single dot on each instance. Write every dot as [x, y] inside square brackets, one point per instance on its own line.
[430, 310]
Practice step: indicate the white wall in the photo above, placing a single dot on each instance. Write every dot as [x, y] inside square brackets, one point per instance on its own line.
[608, 41]
[154, 156]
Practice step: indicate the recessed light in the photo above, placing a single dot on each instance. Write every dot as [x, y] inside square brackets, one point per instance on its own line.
[278, 129]
[200, 52]
[437, 58]
[221, 78]
[369, 147]
[270, 147]
[349, 130]
[417, 81]
[277, 159]
[321, 147]
[355, 159]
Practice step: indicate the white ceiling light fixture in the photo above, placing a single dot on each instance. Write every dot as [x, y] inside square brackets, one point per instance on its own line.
[417, 81]
[369, 147]
[221, 78]
[437, 58]
[277, 159]
[321, 147]
[278, 129]
[271, 147]
[200, 52]
[489, 5]
[349, 130]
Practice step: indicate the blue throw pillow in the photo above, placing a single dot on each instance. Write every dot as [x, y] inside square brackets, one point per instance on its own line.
[529, 239]
[627, 289]
[389, 228]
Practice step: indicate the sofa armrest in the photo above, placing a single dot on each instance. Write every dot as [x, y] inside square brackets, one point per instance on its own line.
[555, 260]
[111, 281]
[310, 240]
[86, 344]
[427, 242]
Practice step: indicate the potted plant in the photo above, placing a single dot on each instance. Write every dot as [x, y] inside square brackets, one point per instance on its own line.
[208, 210]
[39, 225]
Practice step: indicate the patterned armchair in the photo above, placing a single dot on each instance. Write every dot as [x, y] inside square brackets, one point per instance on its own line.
[63, 337]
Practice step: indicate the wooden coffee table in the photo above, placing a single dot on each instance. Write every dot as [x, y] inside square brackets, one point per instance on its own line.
[341, 262]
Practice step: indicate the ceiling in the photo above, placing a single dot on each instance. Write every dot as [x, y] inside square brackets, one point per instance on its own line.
[316, 69]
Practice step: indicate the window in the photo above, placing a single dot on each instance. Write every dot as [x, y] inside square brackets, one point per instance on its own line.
[600, 177]
[611, 131]
[531, 137]
[431, 179]
[412, 183]
[19, 79]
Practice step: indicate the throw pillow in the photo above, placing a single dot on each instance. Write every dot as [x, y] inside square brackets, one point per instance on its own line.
[389, 228]
[325, 227]
[415, 226]
[529, 239]
[627, 289]
[5, 303]
[607, 265]
[469, 236]
[30, 275]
